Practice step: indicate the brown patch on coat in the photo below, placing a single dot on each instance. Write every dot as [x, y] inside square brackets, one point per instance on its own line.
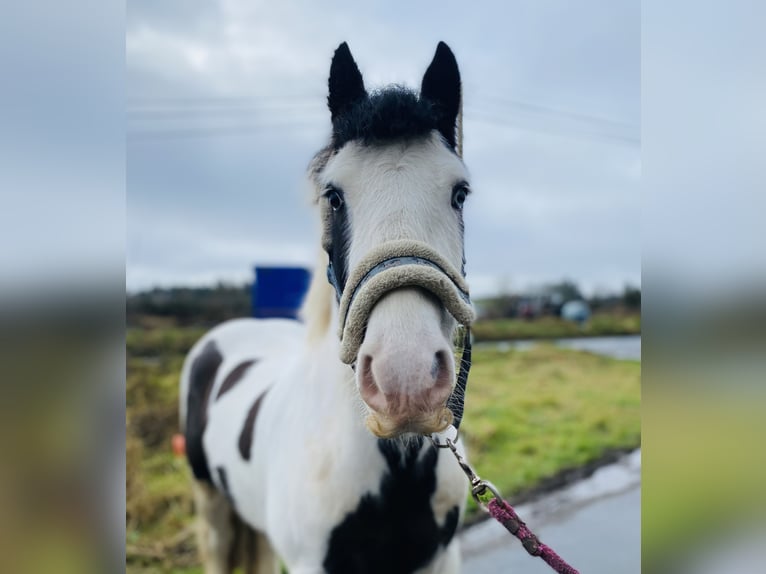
[246, 436]
[234, 377]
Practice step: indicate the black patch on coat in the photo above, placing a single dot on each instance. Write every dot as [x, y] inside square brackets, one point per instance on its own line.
[395, 531]
[234, 377]
[340, 237]
[245, 443]
[201, 379]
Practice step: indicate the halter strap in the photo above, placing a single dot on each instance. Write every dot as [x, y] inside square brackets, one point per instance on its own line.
[456, 401]
[385, 265]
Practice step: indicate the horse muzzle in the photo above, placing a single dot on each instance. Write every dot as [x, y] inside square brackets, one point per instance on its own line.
[406, 384]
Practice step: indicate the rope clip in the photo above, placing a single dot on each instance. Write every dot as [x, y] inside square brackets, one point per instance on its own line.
[479, 486]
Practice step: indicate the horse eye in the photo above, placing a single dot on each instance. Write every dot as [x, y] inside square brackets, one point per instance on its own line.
[334, 198]
[458, 196]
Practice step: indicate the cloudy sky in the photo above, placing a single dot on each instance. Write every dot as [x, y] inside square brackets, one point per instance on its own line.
[226, 106]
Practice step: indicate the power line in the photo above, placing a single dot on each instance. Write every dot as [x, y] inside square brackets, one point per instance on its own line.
[219, 100]
[505, 122]
[144, 135]
[499, 112]
[552, 111]
[178, 103]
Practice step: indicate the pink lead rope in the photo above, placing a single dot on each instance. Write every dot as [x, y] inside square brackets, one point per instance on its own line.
[506, 515]
[503, 512]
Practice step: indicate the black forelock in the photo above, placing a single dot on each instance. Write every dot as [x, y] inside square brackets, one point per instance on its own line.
[391, 114]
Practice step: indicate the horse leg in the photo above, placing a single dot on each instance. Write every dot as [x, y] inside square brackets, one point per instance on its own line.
[215, 528]
[255, 554]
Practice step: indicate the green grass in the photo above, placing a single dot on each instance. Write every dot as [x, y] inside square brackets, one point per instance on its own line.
[599, 325]
[530, 415]
[165, 341]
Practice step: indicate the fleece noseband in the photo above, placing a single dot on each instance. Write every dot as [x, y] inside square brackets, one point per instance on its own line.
[393, 265]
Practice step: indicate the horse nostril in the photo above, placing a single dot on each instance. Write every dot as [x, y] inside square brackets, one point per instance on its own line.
[440, 367]
[365, 373]
[368, 387]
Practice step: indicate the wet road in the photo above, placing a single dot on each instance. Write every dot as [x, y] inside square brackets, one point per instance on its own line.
[626, 348]
[594, 524]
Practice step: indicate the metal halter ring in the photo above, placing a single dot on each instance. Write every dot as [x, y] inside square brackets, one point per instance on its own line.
[480, 488]
[442, 439]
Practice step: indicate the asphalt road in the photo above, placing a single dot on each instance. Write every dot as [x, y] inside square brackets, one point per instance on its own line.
[595, 525]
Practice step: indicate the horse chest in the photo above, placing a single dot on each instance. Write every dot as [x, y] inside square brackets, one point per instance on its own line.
[401, 503]
[398, 528]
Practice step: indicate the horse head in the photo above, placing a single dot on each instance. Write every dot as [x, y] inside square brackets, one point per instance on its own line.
[391, 186]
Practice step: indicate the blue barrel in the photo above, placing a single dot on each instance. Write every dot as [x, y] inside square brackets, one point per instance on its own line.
[279, 291]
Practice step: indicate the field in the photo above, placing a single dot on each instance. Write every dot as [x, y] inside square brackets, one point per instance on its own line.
[534, 420]
[549, 327]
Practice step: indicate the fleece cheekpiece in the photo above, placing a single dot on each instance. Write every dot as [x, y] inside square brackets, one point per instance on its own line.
[392, 265]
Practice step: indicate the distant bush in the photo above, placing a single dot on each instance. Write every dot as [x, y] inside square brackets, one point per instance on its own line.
[191, 305]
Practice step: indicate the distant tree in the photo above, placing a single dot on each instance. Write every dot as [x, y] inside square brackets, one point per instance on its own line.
[501, 305]
[566, 289]
[191, 305]
[631, 298]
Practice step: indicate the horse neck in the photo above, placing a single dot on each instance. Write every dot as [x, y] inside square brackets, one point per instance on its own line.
[332, 383]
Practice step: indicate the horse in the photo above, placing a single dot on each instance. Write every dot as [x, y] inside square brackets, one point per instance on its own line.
[308, 441]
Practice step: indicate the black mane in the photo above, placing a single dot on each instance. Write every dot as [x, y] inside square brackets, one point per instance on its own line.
[387, 115]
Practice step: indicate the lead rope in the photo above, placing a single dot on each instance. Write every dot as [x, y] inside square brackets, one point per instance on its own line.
[489, 499]
[484, 492]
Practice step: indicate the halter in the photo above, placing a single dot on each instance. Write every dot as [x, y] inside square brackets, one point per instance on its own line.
[393, 265]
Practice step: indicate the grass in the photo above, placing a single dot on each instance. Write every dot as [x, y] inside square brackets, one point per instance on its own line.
[532, 418]
[599, 325]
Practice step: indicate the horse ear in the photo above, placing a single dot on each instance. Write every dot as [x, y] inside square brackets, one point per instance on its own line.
[441, 86]
[346, 83]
